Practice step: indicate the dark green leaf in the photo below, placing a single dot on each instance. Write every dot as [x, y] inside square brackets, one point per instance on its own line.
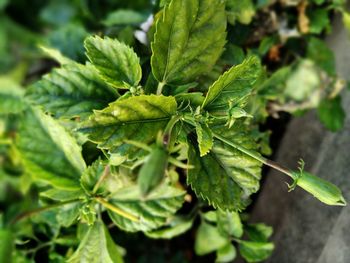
[258, 232]
[97, 246]
[331, 113]
[152, 212]
[62, 195]
[71, 91]
[322, 55]
[49, 153]
[225, 177]
[190, 36]
[234, 85]
[6, 245]
[117, 63]
[255, 251]
[135, 118]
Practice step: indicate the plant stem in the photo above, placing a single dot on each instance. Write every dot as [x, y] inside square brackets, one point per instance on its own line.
[160, 88]
[256, 156]
[41, 209]
[116, 210]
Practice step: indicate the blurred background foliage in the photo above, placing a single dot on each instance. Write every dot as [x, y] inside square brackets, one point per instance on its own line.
[287, 35]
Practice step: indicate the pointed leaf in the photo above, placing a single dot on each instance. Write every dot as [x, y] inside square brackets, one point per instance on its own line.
[234, 85]
[71, 91]
[92, 176]
[153, 170]
[204, 138]
[152, 212]
[190, 36]
[136, 118]
[97, 246]
[226, 254]
[68, 214]
[117, 63]
[259, 232]
[49, 153]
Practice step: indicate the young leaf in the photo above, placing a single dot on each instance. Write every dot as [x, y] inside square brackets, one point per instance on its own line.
[233, 86]
[255, 251]
[204, 138]
[331, 113]
[117, 63]
[225, 177]
[152, 212]
[153, 170]
[49, 153]
[71, 91]
[208, 239]
[135, 118]
[91, 179]
[97, 246]
[190, 36]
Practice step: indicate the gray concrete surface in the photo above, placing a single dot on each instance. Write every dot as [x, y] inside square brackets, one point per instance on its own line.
[307, 231]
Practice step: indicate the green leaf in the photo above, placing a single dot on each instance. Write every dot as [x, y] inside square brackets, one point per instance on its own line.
[258, 232]
[255, 251]
[124, 17]
[92, 176]
[242, 11]
[136, 118]
[152, 171]
[71, 91]
[321, 54]
[56, 55]
[319, 20]
[62, 195]
[225, 177]
[226, 254]
[68, 214]
[49, 153]
[233, 86]
[229, 223]
[11, 96]
[151, 212]
[117, 63]
[97, 246]
[177, 226]
[204, 138]
[331, 113]
[190, 36]
[208, 239]
[7, 244]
